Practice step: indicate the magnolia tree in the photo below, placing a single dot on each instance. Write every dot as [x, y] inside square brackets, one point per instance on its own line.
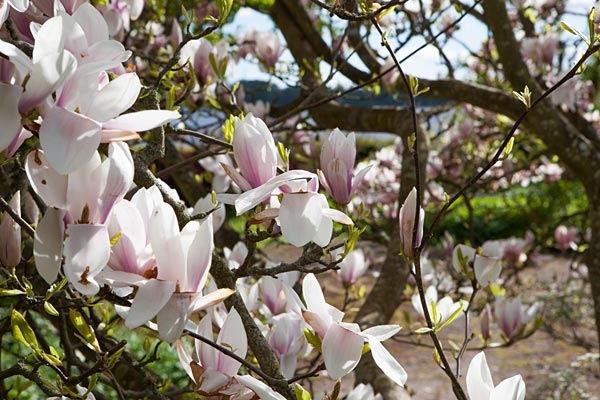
[145, 195]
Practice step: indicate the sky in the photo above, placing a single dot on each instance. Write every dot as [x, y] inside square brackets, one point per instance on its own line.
[425, 63]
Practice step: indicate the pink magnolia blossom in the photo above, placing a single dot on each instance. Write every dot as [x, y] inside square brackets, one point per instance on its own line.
[199, 52]
[481, 387]
[10, 234]
[286, 337]
[215, 373]
[352, 267]
[407, 222]
[566, 238]
[303, 214]
[338, 153]
[511, 316]
[487, 266]
[254, 152]
[79, 211]
[268, 49]
[363, 392]
[444, 307]
[341, 342]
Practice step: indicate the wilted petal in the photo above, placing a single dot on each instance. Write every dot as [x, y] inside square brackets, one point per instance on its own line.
[86, 251]
[48, 244]
[479, 379]
[386, 362]
[342, 349]
[69, 139]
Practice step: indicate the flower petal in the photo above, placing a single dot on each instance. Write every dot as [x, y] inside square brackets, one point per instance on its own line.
[342, 349]
[9, 113]
[86, 251]
[386, 362]
[141, 121]
[263, 391]
[149, 300]
[510, 389]
[479, 379]
[48, 244]
[114, 98]
[300, 217]
[69, 139]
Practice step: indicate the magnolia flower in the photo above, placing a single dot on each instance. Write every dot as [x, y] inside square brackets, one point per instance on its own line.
[481, 387]
[78, 211]
[119, 13]
[286, 337]
[566, 238]
[338, 153]
[511, 317]
[172, 288]
[205, 205]
[268, 49]
[10, 234]
[215, 373]
[235, 257]
[198, 52]
[254, 152]
[407, 222]
[341, 342]
[444, 308]
[352, 267]
[303, 214]
[487, 267]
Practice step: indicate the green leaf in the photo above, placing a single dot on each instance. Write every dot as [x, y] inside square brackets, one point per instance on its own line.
[454, 315]
[54, 288]
[224, 7]
[301, 393]
[50, 309]
[423, 330]
[313, 339]
[51, 359]
[228, 128]
[571, 29]
[84, 329]
[591, 19]
[11, 292]
[22, 331]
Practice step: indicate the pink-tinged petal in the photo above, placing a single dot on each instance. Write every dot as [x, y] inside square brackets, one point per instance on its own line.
[382, 332]
[9, 113]
[141, 121]
[120, 278]
[125, 220]
[111, 136]
[510, 389]
[69, 139]
[146, 200]
[20, 5]
[300, 217]
[205, 204]
[184, 359]
[342, 349]
[21, 137]
[263, 391]
[207, 356]
[48, 244]
[324, 232]
[386, 362]
[360, 176]
[201, 302]
[479, 379]
[10, 234]
[236, 177]
[213, 381]
[119, 178]
[86, 251]
[46, 182]
[199, 256]
[233, 336]
[82, 195]
[73, 34]
[338, 180]
[313, 295]
[149, 300]
[46, 76]
[171, 319]
[19, 59]
[250, 199]
[49, 39]
[165, 239]
[114, 98]
[92, 23]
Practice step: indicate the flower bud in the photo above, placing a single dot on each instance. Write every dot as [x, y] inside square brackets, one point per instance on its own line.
[407, 223]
